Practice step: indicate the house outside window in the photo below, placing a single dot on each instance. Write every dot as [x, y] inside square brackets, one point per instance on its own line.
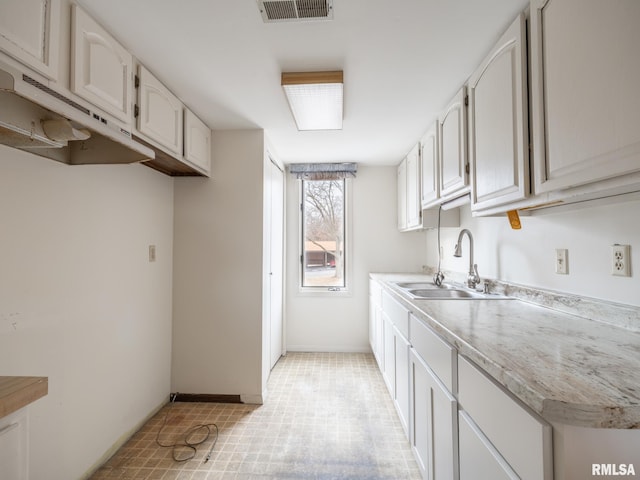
[323, 233]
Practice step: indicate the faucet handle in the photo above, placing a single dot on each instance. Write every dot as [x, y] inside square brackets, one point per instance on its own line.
[475, 270]
[473, 279]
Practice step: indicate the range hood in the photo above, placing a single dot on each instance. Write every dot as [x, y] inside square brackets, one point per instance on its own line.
[46, 122]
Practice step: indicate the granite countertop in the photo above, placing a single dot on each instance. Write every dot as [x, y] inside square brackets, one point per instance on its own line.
[568, 369]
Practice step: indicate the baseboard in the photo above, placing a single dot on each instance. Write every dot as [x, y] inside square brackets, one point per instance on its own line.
[327, 349]
[218, 398]
[252, 399]
[206, 398]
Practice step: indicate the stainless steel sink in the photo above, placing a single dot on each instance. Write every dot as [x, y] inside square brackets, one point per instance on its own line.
[416, 285]
[441, 293]
[426, 290]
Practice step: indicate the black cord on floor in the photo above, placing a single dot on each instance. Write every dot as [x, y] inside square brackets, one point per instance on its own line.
[188, 445]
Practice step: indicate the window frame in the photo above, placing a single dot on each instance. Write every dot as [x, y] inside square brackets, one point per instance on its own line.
[326, 290]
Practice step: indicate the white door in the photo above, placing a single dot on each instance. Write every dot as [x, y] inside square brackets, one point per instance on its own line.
[101, 68]
[29, 32]
[276, 261]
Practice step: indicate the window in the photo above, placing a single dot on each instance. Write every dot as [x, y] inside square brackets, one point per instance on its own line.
[323, 233]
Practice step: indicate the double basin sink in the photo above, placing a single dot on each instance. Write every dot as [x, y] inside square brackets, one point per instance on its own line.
[425, 290]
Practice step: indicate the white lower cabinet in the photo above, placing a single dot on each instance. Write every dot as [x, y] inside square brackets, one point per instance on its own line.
[14, 442]
[522, 439]
[401, 397]
[479, 460]
[388, 354]
[433, 425]
[376, 327]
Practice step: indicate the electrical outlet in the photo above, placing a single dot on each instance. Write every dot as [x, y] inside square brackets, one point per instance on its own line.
[152, 253]
[621, 260]
[562, 261]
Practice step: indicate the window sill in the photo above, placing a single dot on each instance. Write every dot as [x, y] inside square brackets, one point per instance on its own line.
[324, 292]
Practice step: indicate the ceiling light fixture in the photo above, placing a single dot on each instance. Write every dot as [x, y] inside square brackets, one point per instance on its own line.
[315, 99]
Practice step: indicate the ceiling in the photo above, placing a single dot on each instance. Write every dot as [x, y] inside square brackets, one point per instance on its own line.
[402, 61]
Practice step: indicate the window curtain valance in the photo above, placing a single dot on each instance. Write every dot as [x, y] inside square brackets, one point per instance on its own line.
[323, 171]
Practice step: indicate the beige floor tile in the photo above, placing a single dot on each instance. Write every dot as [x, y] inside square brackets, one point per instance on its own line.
[326, 416]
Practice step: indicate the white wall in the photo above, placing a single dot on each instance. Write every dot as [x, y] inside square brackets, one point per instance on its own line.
[218, 242]
[527, 256]
[81, 304]
[339, 323]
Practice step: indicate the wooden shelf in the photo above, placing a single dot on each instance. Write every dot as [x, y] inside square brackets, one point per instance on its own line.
[18, 392]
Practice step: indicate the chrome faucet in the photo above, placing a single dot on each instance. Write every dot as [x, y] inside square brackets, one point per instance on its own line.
[473, 278]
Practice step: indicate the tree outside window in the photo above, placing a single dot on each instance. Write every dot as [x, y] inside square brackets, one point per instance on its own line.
[323, 215]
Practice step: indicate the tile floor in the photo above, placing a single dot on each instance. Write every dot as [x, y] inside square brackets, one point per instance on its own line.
[326, 416]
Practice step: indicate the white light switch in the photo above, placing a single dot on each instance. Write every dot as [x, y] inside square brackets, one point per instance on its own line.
[562, 265]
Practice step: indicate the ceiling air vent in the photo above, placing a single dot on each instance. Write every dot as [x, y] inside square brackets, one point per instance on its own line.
[295, 10]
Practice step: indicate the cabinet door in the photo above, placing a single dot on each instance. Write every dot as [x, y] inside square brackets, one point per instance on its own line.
[402, 195]
[420, 427]
[389, 355]
[454, 168]
[498, 123]
[585, 102]
[414, 205]
[29, 32]
[478, 458]
[101, 68]
[402, 379]
[197, 141]
[372, 325]
[429, 168]
[522, 438]
[14, 444]
[434, 423]
[160, 112]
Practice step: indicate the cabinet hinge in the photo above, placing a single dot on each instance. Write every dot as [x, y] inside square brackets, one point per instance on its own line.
[136, 111]
[467, 169]
[466, 100]
[136, 81]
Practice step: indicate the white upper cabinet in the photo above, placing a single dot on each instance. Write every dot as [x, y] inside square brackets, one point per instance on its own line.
[29, 32]
[197, 141]
[402, 195]
[429, 168]
[159, 113]
[409, 205]
[414, 210]
[585, 101]
[454, 168]
[101, 68]
[498, 122]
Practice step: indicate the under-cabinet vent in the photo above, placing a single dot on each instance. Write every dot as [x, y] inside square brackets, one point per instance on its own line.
[295, 10]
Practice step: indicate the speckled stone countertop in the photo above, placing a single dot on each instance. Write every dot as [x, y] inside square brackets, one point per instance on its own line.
[567, 368]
